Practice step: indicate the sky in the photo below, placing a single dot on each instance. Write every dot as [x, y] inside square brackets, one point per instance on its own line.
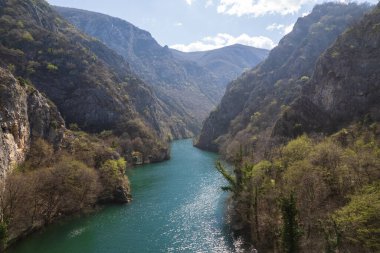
[198, 25]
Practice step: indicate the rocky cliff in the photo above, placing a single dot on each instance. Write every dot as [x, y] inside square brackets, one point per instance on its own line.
[345, 86]
[321, 160]
[90, 84]
[254, 102]
[25, 114]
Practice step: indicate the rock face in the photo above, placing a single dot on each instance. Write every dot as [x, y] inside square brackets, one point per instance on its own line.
[24, 114]
[15, 130]
[255, 101]
[345, 86]
[89, 83]
[190, 85]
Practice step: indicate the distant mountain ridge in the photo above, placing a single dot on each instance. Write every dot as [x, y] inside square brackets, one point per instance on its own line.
[189, 89]
[226, 63]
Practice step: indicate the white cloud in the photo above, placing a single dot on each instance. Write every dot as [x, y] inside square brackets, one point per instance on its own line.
[209, 3]
[283, 29]
[189, 2]
[275, 26]
[288, 28]
[178, 24]
[223, 39]
[261, 7]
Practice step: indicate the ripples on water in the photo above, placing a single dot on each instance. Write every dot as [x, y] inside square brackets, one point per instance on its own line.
[178, 206]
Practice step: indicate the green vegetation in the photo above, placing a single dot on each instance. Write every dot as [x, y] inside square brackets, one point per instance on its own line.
[290, 228]
[51, 67]
[304, 78]
[53, 183]
[359, 220]
[313, 193]
[231, 179]
[112, 176]
[3, 235]
[11, 68]
[27, 36]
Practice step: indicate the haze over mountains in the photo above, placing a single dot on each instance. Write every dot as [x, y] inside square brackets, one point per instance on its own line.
[190, 86]
[84, 95]
[227, 63]
[66, 93]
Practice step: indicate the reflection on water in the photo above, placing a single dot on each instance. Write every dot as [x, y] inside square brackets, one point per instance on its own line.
[177, 207]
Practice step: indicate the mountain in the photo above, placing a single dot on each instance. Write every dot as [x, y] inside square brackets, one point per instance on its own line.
[255, 101]
[189, 89]
[71, 113]
[344, 88]
[89, 83]
[316, 186]
[226, 63]
[25, 114]
[47, 171]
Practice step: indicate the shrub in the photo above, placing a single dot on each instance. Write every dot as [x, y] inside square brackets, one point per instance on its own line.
[3, 235]
[359, 220]
[27, 36]
[112, 176]
[40, 154]
[51, 67]
[304, 78]
[291, 231]
[296, 150]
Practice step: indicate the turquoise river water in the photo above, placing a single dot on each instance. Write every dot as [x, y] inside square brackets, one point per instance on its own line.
[177, 206]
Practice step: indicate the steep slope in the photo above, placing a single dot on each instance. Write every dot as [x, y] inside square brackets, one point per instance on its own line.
[254, 102]
[90, 84]
[226, 63]
[319, 190]
[46, 171]
[188, 89]
[25, 114]
[345, 86]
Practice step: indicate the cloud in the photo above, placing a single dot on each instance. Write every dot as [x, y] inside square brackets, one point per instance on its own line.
[209, 3]
[275, 26]
[189, 2]
[258, 8]
[288, 28]
[283, 29]
[261, 7]
[178, 24]
[224, 39]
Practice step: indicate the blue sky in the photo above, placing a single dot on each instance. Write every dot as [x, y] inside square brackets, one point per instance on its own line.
[195, 25]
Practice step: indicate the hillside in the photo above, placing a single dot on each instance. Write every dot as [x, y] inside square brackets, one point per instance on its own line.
[226, 63]
[25, 114]
[47, 171]
[345, 85]
[314, 187]
[71, 114]
[91, 85]
[189, 89]
[254, 102]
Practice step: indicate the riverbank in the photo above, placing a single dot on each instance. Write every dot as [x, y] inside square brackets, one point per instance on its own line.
[177, 206]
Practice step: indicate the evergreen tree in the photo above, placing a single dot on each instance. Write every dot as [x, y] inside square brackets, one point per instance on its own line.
[290, 231]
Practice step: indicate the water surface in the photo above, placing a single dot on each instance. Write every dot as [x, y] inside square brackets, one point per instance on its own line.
[177, 207]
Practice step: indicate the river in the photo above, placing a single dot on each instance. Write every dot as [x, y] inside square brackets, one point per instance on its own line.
[177, 206]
